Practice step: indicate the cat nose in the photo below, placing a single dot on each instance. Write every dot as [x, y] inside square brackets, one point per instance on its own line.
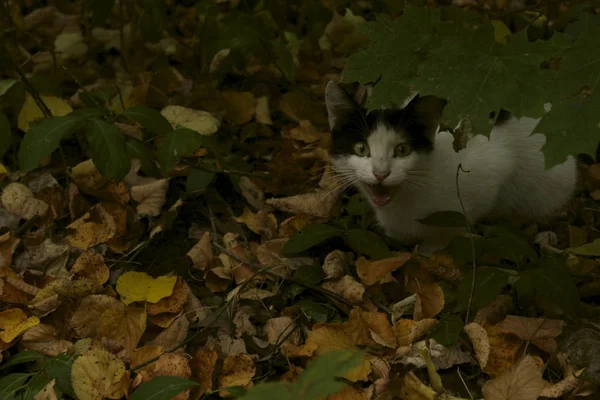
[381, 175]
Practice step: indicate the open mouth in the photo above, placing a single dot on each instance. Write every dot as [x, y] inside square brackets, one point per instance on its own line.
[380, 195]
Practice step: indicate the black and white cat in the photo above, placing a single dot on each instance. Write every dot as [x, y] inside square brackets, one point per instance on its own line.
[406, 168]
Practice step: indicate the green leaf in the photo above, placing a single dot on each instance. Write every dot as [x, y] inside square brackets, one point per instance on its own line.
[237, 391]
[312, 274]
[446, 219]
[100, 9]
[552, 281]
[489, 282]
[150, 119]
[162, 388]
[175, 144]
[35, 385]
[11, 383]
[143, 153]
[109, 153]
[448, 330]
[501, 243]
[59, 368]
[88, 113]
[366, 242]
[284, 60]
[315, 311]
[98, 97]
[198, 180]
[5, 134]
[44, 137]
[309, 237]
[151, 20]
[23, 357]
[590, 249]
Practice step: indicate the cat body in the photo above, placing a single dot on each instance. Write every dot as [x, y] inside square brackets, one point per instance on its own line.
[407, 169]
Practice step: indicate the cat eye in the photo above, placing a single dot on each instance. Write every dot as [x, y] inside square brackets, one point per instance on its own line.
[402, 150]
[361, 149]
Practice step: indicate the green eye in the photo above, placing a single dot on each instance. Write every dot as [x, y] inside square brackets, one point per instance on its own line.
[361, 149]
[402, 150]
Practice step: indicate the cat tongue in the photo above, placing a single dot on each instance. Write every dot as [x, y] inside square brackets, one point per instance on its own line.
[380, 195]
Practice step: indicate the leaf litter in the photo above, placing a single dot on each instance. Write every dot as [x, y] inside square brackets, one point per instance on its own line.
[228, 269]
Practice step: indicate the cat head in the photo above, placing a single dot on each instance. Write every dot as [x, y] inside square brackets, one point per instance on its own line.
[378, 150]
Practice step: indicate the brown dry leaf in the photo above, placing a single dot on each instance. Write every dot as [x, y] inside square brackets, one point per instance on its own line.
[14, 322]
[240, 107]
[30, 111]
[349, 393]
[18, 199]
[195, 310]
[47, 189]
[150, 197]
[429, 301]
[240, 270]
[270, 254]
[278, 328]
[253, 194]
[90, 181]
[481, 343]
[145, 354]
[173, 303]
[522, 381]
[174, 364]
[503, 351]
[529, 329]
[409, 331]
[290, 226]
[218, 279]
[13, 289]
[101, 316]
[379, 271]
[164, 320]
[442, 266]
[335, 264]
[201, 254]
[496, 310]
[238, 370]
[45, 339]
[307, 133]
[47, 393]
[202, 122]
[317, 204]
[95, 227]
[261, 223]
[42, 256]
[414, 389]
[78, 204]
[346, 287]
[52, 294]
[8, 243]
[298, 106]
[263, 112]
[91, 265]
[173, 335]
[561, 388]
[243, 325]
[97, 374]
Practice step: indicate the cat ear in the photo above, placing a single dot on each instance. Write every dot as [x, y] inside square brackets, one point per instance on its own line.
[340, 105]
[427, 110]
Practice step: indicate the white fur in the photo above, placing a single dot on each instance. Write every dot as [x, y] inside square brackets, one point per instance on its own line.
[506, 177]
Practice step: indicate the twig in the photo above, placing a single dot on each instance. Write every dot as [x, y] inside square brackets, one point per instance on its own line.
[470, 231]
[464, 383]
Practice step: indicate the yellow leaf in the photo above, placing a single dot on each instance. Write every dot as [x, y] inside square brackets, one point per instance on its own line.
[139, 286]
[238, 370]
[31, 112]
[261, 223]
[501, 31]
[95, 227]
[14, 322]
[202, 122]
[97, 375]
[414, 389]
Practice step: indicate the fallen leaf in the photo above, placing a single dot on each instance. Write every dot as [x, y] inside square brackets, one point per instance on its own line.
[253, 194]
[335, 264]
[90, 181]
[201, 254]
[318, 204]
[522, 381]
[530, 329]
[240, 107]
[202, 122]
[414, 389]
[151, 197]
[19, 200]
[278, 329]
[30, 112]
[91, 265]
[218, 279]
[139, 286]
[263, 113]
[372, 272]
[350, 393]
[261, 223]
[503, 351]
[14, 322]
[481, 343]
[174, 364]
[45, 339]
[41, 257]
[47, 392]
[173, 335]
[495, 311]
[307, 133]
[70, 45]
[94, 227]
[409, 331]
[97, 374]
[173, 303]
[429, 301]
[290, 226]
[144, 354]
[346, 287]
[238, 370]
[8, 243]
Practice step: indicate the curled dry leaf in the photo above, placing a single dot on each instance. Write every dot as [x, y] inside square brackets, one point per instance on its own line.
[94, 227]
[97, 375]
[290, 226]
[335, 264]
[522, 381]
[202, 122]
[379, 271]
[14, 322]
[261, 223]
[201, 254]
[320, 203]
[19, 200]
[429, 301]
[414, 389]
[195, 310]
[90, 181]
[561, 388]
[253, 194]
[263, 113]
[481, 343]
[45, 339]
[238, 370]
[173, 303]
[91, 265]
[346, 287]
[151, 197]
[409, 331]
[531, 328]
[8, 243]
[139, 286]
